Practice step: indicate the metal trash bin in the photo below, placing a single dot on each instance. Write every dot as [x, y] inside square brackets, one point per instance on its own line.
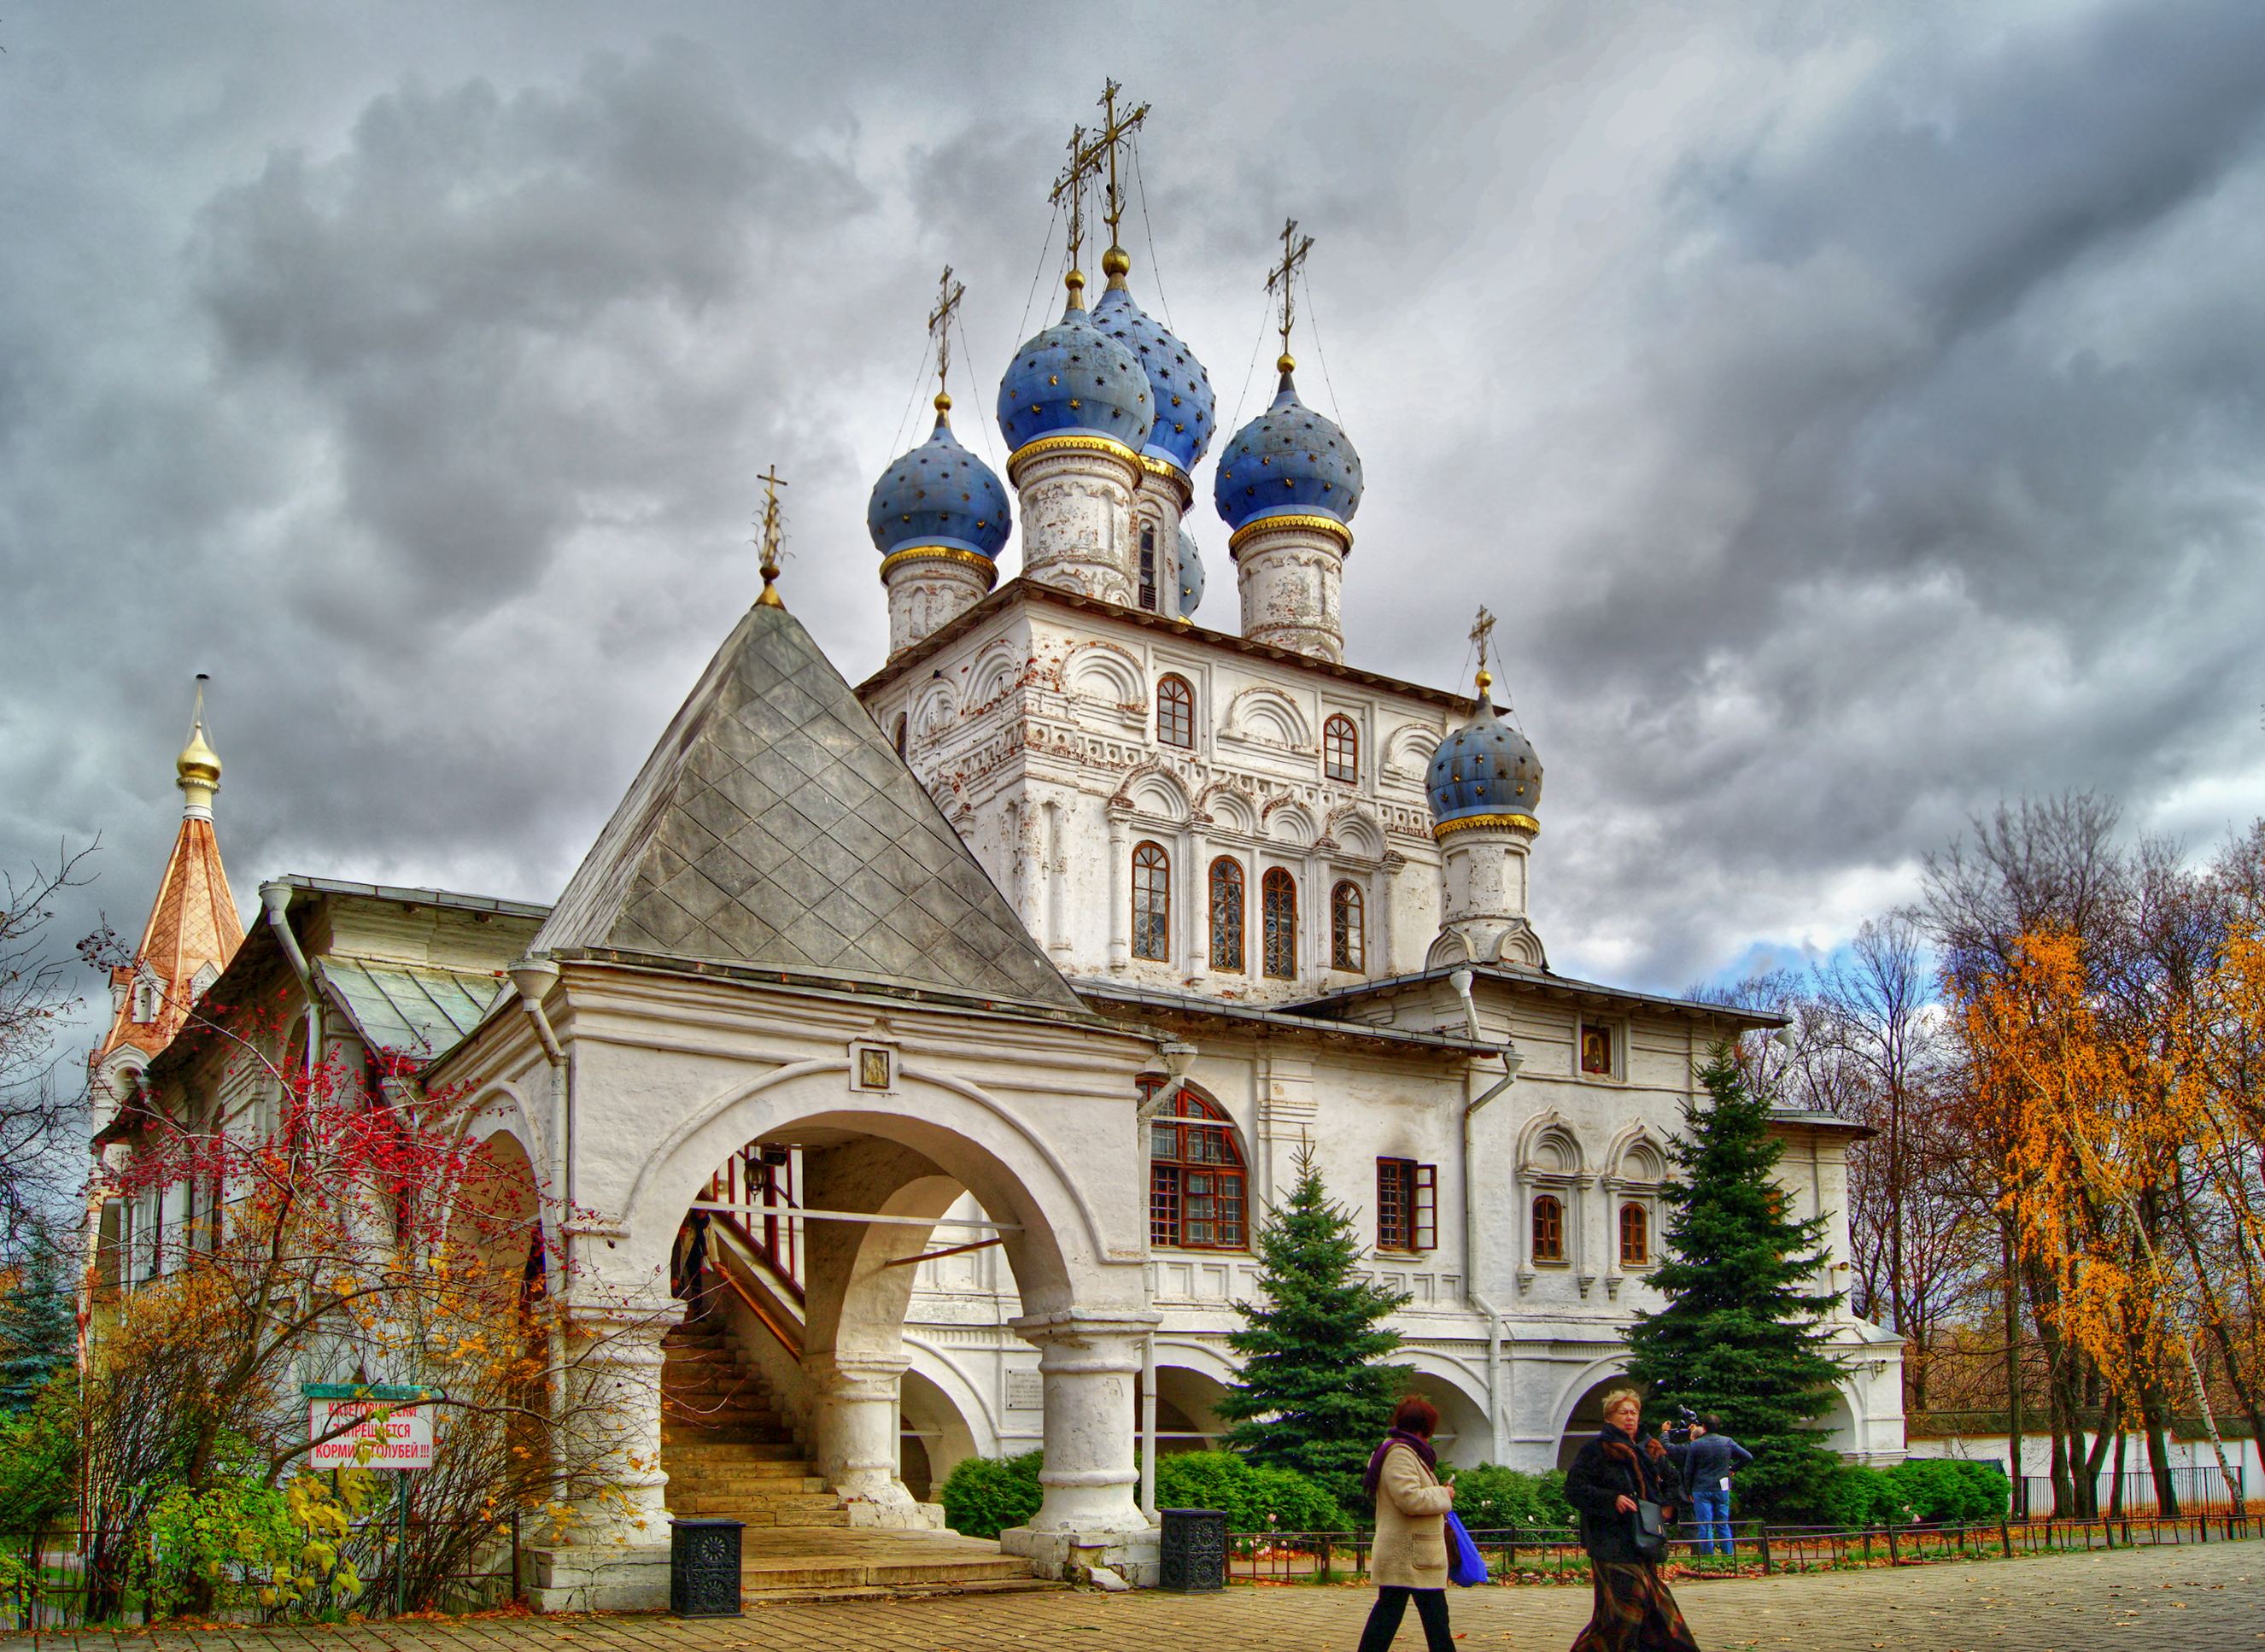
[703, 1569]
[1191, 1558]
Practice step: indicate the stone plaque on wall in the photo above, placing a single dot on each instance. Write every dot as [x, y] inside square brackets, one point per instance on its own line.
[1026, 1391]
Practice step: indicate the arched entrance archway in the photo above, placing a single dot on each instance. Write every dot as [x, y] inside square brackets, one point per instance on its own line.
[1586, 1418]
[879, 1169]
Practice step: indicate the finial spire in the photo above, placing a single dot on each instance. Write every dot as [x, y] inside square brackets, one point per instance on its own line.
[1084, 161]
[1482, 639]
[949, 294]
[1113, 135]
[772, 527]
[1282, 278]
[196, 771]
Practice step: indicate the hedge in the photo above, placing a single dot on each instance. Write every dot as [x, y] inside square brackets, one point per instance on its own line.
[983, 1496]
[1489, 1498]
[1918, 1488]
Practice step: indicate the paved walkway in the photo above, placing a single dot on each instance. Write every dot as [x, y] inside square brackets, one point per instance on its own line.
[2170, 1599]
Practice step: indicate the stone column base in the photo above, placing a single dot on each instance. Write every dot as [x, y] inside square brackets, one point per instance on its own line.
[595, 1578]
[868, 1514]
[1071, 1556]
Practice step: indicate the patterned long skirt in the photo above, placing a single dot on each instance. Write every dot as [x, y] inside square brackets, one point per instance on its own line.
[1633, 1612]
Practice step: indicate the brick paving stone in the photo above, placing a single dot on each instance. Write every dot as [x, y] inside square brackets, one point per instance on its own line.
[2201, 1598]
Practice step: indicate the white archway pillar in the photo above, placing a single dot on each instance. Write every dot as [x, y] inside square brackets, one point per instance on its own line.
[1087, 1362]
[854, 1433]
[611, 1442]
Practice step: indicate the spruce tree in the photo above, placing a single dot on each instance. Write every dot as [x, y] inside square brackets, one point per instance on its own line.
[1742, 1333]
[1314, 1397]
[38, 1329]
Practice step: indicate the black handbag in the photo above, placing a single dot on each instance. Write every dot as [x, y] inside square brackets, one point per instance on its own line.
[1648, 1531]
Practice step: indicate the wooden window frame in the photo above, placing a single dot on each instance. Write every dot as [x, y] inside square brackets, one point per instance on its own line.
[1175, 713]
[1642, 1214]
[1348, 927]
[1407, 1205]
[1278, 929]
[1552, 1253]
[1152, 901]
[1230, 949]
[1150, 588]
[1204, 1161]
[1340, 749]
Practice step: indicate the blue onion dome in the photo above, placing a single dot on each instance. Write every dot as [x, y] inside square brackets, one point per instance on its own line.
[1180, 391]
[1287, 461]
[1191, 574]
[1484, 767]
[939, 494]
[1073, 379]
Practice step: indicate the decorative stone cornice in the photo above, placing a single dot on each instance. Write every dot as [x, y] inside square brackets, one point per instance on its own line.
[981, 564]
[1302, 522]
[1445, 829]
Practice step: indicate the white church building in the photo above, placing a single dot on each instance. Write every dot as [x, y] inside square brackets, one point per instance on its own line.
[972, 1017]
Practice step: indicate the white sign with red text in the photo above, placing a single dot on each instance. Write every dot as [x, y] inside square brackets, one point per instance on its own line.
[382, 1435]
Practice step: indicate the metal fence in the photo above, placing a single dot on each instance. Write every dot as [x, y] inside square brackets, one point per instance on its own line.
[1547, 1553]
[48, 1583]
[2201, 1489]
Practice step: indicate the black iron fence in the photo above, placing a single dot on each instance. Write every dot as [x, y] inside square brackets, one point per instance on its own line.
[69, 1579]
[1547, 1553]
[2201, 1489]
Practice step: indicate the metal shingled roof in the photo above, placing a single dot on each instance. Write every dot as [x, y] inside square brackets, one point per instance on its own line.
[416, 1009]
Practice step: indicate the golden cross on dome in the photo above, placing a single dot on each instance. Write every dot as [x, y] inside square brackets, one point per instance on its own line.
[771, 529]
[1283, 275]
[949, 292]
[1482, 639]
[1112, 136]
[1084, 162]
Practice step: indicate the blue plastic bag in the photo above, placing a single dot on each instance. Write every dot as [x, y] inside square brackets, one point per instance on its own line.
[1465, 1565]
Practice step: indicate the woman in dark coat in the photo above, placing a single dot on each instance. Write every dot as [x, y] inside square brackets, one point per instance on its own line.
[1633, 1610]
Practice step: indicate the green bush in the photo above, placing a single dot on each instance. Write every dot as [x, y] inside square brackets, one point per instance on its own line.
[1254, 1497]
[1489, 1498]
[983, 1495]
[1919, 1488]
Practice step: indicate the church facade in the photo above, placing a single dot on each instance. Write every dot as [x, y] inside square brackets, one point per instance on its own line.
[963, 1026]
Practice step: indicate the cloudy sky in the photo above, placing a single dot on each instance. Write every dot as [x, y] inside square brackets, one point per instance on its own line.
[1857, 414]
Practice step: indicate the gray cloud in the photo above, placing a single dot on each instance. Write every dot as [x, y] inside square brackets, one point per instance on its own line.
[1853, 416]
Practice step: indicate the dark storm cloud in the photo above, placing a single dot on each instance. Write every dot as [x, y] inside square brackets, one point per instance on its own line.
[1853, 416]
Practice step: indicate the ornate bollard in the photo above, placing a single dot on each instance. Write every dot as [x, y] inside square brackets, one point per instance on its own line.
[1191, 1557]
[703, 1569]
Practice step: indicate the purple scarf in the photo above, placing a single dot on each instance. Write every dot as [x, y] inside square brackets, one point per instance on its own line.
[1415, 1443]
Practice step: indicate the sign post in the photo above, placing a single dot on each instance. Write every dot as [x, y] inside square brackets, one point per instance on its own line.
[381, 1425]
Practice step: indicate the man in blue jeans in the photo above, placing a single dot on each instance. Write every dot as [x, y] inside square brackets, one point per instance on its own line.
[1707, 1463]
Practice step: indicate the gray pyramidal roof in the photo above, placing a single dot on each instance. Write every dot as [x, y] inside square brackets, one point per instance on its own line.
[775, 826]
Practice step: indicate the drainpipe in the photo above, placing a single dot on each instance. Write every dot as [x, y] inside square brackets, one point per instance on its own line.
[1167, 1068]
[534, 976]
[1511, 1061]
[276, 899]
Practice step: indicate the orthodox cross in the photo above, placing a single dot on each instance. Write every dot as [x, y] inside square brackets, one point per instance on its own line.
[949, 292]
[1294, 256]
[1084, 161]
[1482, 639]
[1113, 135]
[772, 483]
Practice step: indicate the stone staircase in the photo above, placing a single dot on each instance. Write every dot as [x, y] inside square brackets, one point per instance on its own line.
[729, 1453]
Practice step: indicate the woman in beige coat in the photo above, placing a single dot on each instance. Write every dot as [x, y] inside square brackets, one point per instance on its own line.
[1410, 1556]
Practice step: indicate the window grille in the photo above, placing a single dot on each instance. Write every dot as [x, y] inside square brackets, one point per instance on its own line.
[1176, 713]
[1348, 945]
[1196, 1176]
[1226, 914]
[1278, 892]
[1341, 750]
[1148, 566]
[1635, 1235]
[1407, 1205]
[1548, 1229]
[1152, 903]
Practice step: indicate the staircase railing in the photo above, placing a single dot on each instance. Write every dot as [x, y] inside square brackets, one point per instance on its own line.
[735, 1257]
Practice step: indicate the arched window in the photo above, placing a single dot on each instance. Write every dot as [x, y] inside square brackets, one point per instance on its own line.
[1148, 566]
[1176, 713]
[903, 731]
[1226, 914]
[1152, 902]
[1635, 1235]
[1340, 749]
[1195, 1176]
[1347, 944]
[1279, 892]
[1548, 1229]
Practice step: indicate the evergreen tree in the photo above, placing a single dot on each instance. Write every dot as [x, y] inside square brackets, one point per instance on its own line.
[1314, 1397]
[1742, 1333]
[39, 1327]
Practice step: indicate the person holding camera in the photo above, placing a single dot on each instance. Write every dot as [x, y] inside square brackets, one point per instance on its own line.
[1625, 1490]
[1706, 1460]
